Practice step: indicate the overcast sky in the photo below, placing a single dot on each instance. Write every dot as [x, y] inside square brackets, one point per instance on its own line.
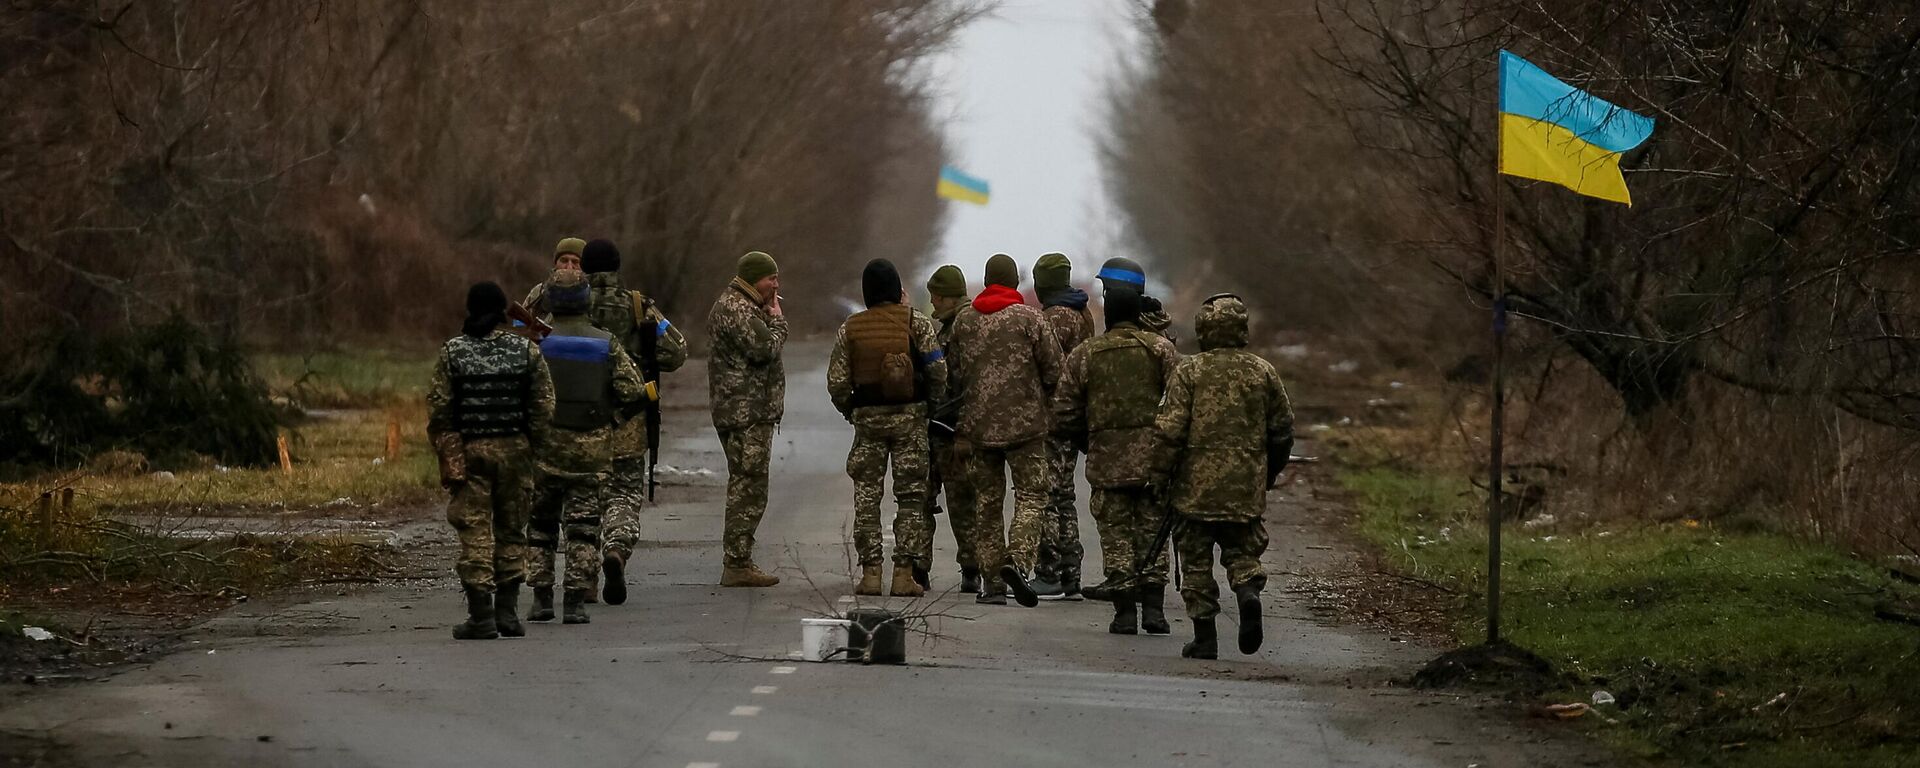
[1022, 94]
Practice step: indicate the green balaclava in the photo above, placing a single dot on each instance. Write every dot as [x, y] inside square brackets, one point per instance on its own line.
[1052, 273]
[1001, 270]
[948, 281]
[756, 266]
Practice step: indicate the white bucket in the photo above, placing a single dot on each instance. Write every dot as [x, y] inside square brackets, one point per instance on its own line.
[822, 639]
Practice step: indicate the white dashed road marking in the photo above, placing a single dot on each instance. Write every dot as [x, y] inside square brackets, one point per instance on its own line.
[703, 765]
[785, 670]
[723, 736]
[745, 711]
[765, 689]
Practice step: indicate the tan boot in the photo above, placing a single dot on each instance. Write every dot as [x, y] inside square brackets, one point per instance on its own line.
[750, 576]
[869, 581]
[904, 584]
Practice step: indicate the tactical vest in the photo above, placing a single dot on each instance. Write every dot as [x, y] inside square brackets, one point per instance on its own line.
[880, 348]
[582, 370]
[621, 312]
[1123, 381]
[490, 378]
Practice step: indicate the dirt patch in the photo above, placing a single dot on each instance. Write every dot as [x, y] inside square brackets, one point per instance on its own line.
[1349, 584]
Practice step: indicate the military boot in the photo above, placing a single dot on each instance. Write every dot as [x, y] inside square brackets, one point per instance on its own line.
[479, 624]
[1248, 596]
[869, 581]
[970, 580]
[923, 577]
[1152, 618]
[904, 584]
[1102, 591]
[992, 596]
[574, 610]
[1205, 644]
[750, 576]
[506, 610]
[1016, 583]
[1070, 584]
[613, 567]
[1125, 620]
[542, 605]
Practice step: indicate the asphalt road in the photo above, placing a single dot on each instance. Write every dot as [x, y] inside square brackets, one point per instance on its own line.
[686, 674]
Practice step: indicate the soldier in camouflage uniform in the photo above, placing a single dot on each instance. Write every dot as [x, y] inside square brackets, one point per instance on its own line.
[1007, 363]
[566, 255]
[592, 376]
[1221, 438]
[1065, 308]
[1109, 394]
[1123, 274]
[488, 408]
[657, 347]
[886, 366]
[948, 470]
[748, 389]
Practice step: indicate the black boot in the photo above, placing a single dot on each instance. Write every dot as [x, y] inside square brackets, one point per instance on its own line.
[506, 610]
[1070, 584]
[1102, 591]
[1205, 644]
[574, 610]
[1125, 620]
[614, 576]
[970, 580]
[479, 624]
[542, 604]
[1152, 618]
[1248, 596]
[1017, 585]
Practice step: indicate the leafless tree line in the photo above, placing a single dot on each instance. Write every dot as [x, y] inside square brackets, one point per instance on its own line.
[1755, 309]
[299, 170]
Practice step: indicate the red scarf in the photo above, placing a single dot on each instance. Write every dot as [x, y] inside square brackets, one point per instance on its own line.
[996, 298]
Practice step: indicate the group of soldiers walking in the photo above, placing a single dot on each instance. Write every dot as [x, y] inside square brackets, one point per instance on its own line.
[985, 389]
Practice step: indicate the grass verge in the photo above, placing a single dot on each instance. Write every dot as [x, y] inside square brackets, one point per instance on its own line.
[1722, 649]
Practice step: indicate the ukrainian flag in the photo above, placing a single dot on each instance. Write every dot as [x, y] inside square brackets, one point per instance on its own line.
[1555, 132]
[955, 185]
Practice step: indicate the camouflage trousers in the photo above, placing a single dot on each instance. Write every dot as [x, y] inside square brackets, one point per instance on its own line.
[948, 473]
[996, 542]
[625, 490]
[1060, 548]
[1240, 543]
[1128, 521]
[569, 503]
[899, 435]
[749, 452]
[489, 512]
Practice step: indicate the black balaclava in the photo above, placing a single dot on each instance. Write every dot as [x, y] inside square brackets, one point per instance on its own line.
[486, 309]
[880, 283]
[1123, 306]
[599, 256]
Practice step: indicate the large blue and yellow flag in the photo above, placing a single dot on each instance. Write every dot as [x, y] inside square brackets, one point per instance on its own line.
[955, 185]
[1555, 132]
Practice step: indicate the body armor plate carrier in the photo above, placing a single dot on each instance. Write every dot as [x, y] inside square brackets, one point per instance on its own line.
[491, 378]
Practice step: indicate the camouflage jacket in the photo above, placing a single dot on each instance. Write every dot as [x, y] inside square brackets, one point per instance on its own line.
[745, 379]
[629, 316]
[933, 370]
[947, 411]
[1006, 364]
[440, 406]
[1110, 390]
[1225, 415]
[1072, 327]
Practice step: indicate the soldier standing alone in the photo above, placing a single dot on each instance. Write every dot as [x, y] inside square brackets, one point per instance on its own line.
[748, 387]
[1222, 436]
[1007, 363]
[592, 376]
[947, 472]
[887, 365]
[1109, 394]
[487, 412]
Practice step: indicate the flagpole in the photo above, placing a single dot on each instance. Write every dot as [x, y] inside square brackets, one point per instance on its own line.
[1497, 462]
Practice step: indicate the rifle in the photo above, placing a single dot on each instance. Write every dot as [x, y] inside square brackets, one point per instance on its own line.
[650, 374]
[537, 329]
[1169, 519]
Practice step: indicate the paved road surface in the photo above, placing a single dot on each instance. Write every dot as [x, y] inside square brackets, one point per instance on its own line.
[687, 674]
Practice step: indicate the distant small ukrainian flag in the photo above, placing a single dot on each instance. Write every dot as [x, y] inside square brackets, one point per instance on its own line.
[1554, 132]
[955, 185]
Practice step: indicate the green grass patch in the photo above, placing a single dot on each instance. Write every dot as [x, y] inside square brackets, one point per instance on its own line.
[1696, 631]
[358, 379]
